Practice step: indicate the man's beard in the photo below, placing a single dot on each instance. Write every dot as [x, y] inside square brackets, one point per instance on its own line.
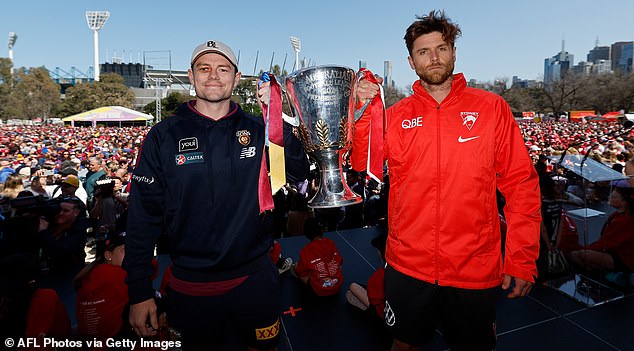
[437, 77]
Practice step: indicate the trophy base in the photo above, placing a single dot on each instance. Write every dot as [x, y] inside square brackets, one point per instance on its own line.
[333, 190]
[334, 202]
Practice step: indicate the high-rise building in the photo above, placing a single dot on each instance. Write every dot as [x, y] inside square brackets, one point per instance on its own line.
[621, 55]
[363, 64]
[599, 53]
[387, 74]
[556, 67]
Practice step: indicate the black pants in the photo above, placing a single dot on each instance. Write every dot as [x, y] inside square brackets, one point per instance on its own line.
[414, 308]
[249, 311]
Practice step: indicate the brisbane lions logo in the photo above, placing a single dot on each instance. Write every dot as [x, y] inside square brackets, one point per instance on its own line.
[469, 119]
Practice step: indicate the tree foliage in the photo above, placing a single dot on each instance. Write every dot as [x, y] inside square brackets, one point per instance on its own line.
[169, 104]
[110, 90]
[6, 85]
[602, 93]
[34, 94]
[245, 95]
[392, 96]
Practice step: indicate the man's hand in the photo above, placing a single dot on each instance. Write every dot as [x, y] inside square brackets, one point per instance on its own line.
[264, 91]
[367, 90]
[521, 288]
[143, 318]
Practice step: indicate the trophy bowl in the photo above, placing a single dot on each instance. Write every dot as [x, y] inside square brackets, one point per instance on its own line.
[322, 98]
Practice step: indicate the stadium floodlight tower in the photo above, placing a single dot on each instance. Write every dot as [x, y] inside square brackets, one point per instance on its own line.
[297, 47]
[12, 38]
[96, 20]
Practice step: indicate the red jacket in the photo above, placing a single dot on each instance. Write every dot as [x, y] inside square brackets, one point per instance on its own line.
[101, 300]
[617, 238]
[445, 162]
[321, 262]
[47, 316]
[376, 291]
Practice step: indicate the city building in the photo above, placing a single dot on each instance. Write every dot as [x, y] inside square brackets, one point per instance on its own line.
[599, 53]
[517, 82]
[387, 74]
[557, 66]
[621, 56]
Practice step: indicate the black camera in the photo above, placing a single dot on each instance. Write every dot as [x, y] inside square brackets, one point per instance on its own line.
[36, 206]
[104, 188]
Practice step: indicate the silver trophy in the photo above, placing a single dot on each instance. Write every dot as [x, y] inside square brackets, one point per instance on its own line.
[323, 100]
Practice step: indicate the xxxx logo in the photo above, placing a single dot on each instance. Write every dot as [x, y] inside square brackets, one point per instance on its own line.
[268, 332]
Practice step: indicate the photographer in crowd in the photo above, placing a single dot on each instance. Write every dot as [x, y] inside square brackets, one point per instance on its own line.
[63, 237]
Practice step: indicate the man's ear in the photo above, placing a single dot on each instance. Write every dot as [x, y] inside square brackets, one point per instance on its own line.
[107, 255]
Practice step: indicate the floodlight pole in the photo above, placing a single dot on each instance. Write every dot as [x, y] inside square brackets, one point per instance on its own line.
[96, 20]
[12, 38]
[296, 43]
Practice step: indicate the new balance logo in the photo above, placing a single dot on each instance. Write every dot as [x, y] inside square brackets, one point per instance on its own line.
[247, 152]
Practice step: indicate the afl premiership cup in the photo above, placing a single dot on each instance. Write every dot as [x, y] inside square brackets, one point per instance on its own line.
[323, 100]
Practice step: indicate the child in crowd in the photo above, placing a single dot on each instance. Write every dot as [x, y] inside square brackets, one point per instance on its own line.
[372, 295]
[319, 264]
[26, 310]
[102, 294]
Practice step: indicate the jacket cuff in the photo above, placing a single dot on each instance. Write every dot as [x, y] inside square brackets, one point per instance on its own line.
[517, 272]
[140, 290]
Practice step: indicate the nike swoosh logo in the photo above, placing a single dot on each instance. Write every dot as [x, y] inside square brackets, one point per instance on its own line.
[464, 140]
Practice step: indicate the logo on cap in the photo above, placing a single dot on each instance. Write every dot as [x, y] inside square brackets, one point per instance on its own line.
[212, 44]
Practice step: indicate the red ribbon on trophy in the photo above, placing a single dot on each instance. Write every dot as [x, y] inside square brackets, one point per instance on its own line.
[274, 130]
[367, 144]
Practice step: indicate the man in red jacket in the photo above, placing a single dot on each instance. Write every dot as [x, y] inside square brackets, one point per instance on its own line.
[448, 148]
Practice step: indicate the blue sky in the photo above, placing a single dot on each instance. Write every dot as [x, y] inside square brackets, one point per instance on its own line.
[500, 38]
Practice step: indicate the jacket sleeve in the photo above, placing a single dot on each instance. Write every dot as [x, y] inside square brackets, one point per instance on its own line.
[145, 219]
[517, 181]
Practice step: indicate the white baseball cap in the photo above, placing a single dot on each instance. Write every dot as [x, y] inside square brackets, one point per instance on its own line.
[217, 47]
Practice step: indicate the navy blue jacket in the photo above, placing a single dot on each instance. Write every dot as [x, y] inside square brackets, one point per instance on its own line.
[196, 179]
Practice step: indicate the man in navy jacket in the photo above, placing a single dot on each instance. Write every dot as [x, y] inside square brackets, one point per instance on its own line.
[202, 179]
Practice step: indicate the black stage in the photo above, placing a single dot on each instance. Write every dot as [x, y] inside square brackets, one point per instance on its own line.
[545, 320]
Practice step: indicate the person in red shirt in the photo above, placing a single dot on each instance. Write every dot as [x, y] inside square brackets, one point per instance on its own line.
[614, 251]
[372, 295]
[102, 294]
[319, 264]
[26, 310]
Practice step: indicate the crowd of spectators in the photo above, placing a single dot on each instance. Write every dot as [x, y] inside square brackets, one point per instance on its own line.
[88, 170]
[609, 143]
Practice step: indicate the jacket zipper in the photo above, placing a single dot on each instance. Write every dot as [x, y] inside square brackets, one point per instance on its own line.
[437, 243]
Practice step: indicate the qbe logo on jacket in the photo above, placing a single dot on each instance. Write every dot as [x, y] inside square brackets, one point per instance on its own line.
[188, 158]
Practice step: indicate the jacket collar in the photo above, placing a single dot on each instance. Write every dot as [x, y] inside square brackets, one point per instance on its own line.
[458, 85]
[188, 110]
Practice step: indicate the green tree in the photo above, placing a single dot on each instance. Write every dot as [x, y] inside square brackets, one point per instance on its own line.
[35, 94]
[392, 96]
[79, 98]
[246, 96]
[110, 90]
[6, 85]
[169, 104]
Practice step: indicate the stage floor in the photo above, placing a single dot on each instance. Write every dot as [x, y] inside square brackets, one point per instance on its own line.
[545, 320]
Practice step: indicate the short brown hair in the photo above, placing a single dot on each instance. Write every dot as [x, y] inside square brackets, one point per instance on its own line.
[435, 21]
